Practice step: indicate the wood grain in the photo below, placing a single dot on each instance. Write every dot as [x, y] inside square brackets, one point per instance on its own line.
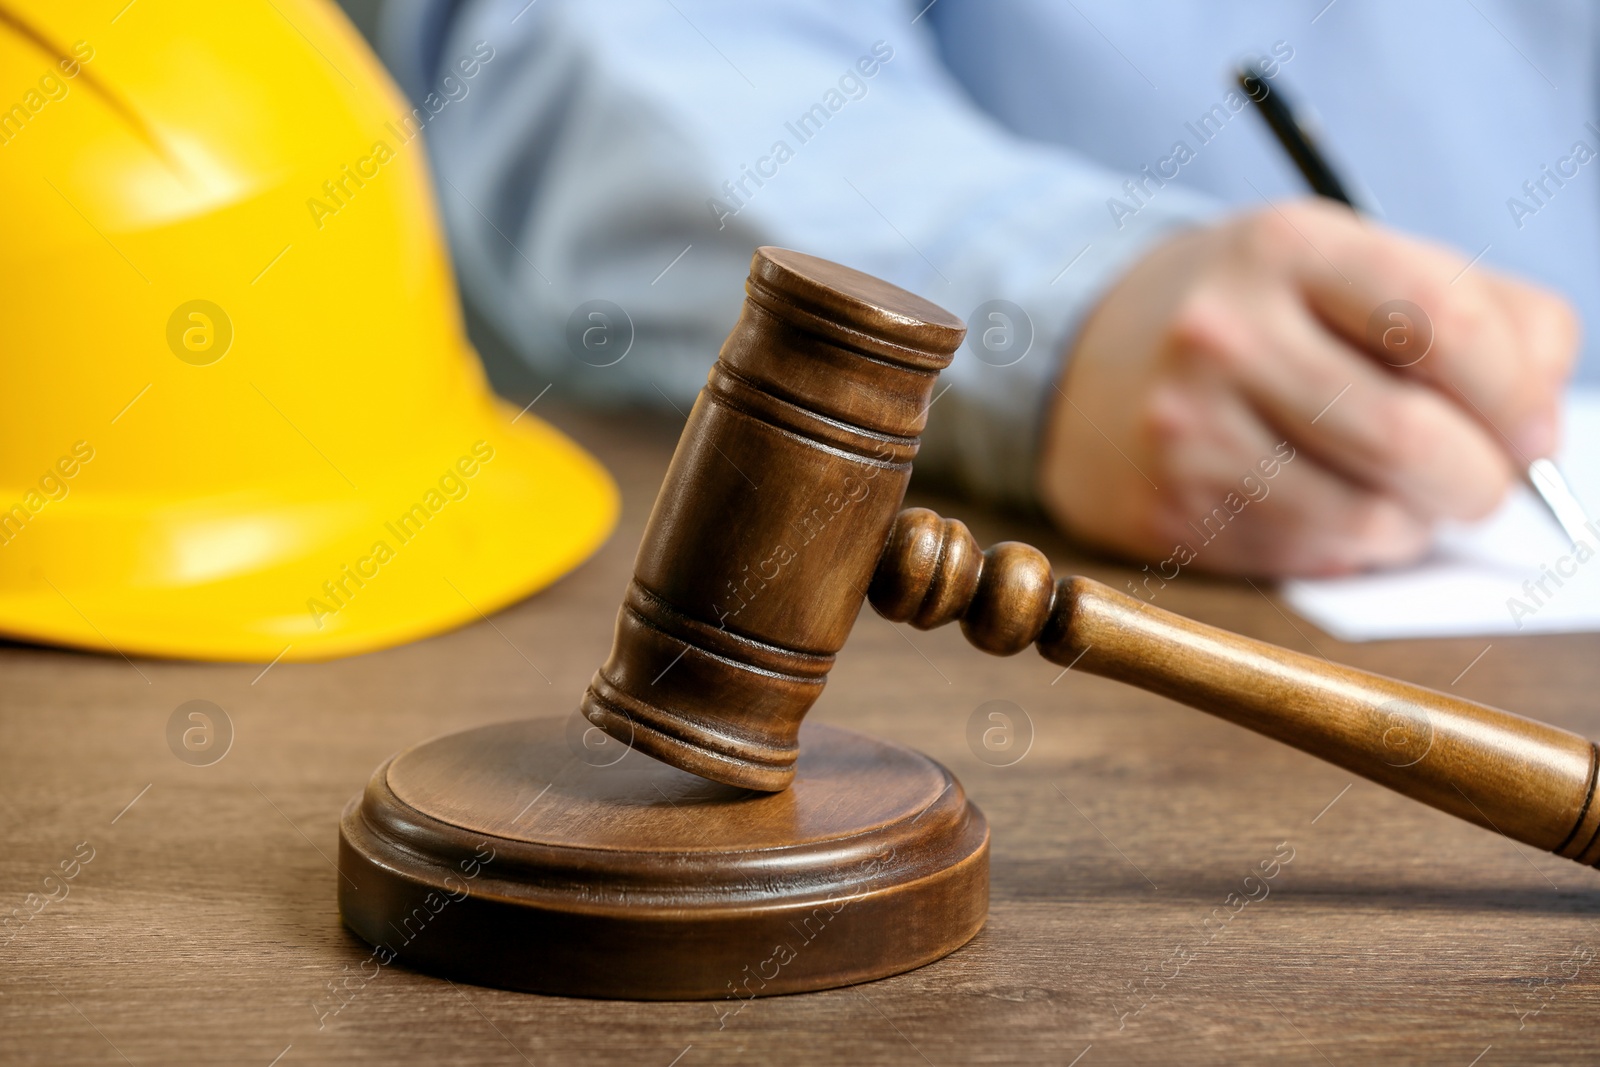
[516, 856]
[205, 931]
[1528, 780]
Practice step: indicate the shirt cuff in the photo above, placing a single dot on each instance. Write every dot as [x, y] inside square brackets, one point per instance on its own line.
[1025, 291]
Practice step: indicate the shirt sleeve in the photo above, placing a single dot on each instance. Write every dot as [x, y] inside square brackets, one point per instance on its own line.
[625, 158]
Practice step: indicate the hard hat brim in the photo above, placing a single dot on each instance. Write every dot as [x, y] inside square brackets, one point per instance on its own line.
[241, 578]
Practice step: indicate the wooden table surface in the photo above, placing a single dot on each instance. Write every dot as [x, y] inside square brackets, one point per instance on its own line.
[204, 930]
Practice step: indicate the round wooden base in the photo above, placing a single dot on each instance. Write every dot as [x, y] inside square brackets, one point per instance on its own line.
[538, 855]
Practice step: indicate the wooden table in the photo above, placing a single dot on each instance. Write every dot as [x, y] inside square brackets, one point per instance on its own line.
[204, 930]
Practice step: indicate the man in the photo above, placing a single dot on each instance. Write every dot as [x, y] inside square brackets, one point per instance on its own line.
[1158, 312]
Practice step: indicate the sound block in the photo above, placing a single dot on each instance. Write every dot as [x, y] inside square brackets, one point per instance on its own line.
[519, 855]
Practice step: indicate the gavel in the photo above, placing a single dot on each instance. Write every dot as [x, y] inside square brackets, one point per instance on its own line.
[780, 516]
[735, 864]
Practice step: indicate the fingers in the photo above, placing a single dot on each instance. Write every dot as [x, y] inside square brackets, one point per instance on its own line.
[1498, 348]
[1246, 501]
[1236, 345]
[1340, 528]
[1551, 327]
[1381, 432]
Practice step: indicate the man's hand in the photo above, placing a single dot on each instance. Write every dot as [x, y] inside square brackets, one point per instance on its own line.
[1230, 348]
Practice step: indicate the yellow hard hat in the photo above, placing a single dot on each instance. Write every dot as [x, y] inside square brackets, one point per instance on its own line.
[240, 419]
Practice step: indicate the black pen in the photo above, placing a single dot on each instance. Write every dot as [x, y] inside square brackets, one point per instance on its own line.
[1542, 474]
[1292, 134]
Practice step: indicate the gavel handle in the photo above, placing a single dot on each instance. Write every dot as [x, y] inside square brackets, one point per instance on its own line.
[1528, 780]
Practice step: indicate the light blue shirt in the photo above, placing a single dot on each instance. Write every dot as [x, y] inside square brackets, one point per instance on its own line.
[978, 152]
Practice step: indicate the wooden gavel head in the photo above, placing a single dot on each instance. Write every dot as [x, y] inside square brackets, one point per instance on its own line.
[770, 523]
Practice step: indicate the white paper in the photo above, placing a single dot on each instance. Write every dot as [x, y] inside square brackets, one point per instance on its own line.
[1513, 573]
